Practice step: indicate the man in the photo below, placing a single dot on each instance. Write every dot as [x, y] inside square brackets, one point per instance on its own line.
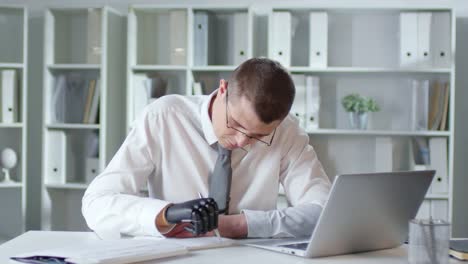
[174, 150]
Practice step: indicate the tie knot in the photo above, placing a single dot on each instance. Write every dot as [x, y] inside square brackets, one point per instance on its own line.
[223, 151]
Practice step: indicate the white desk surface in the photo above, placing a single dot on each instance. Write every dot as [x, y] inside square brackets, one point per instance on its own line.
[38, 240]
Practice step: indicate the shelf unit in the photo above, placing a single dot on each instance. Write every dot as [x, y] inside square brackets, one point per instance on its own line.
[14, 56]
[151, 54]
[83, 63]
[362, 48]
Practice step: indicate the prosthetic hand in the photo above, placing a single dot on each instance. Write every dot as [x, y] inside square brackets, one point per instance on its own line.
[202, 214]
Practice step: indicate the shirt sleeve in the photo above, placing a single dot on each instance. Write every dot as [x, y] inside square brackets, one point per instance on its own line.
[112, 202]
[306, 187]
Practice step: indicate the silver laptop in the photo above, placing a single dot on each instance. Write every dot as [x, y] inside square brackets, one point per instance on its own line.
[364, 212]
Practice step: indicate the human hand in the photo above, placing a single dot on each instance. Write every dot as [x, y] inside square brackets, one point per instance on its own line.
[196, 217]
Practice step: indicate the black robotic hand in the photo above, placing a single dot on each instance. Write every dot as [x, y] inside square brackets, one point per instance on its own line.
[202, 214]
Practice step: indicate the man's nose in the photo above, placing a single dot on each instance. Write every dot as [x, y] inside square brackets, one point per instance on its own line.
[242, 140]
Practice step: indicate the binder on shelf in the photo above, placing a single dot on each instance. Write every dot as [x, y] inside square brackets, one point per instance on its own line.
[281, 38]
[9, 91]
[435, 106]
[57, 107]
[57, 157]
[383, 154]
[178, 36]
[408, 39]
[420, 105]
[200, 40]
[92, 157]
[239, 52]
[424, 39]
[438, 160]
[298, 108]
[439, 209]
[94, 31]
[441, 39]
[318, 43]
[75, 97]
[312, 116]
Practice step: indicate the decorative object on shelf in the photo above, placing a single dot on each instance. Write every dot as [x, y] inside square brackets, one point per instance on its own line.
[358, 107]
[8, 160]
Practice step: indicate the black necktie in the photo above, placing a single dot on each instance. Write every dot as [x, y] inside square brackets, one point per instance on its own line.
[220, 180]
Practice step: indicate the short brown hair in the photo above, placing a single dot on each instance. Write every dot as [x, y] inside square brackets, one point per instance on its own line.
[267, 85]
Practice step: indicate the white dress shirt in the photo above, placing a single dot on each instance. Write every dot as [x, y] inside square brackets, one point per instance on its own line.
[171, 151]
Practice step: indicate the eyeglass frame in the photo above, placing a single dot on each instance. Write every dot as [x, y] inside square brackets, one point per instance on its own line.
[242, 132]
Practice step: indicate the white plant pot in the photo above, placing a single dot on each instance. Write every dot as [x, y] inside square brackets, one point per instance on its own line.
[358, 120]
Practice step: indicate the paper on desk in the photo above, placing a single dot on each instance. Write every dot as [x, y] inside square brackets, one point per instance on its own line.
[196, 243]
[120, 251]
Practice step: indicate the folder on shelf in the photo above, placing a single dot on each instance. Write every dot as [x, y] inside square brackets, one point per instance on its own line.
[56, 156]
[435, 106]
[424, 39]
[438, 161]
[178, 36]
[441, 39]
[200, 40]
[9, 104]
[312, 116]
[94, 31]
[239, 37]
[298, 108]
[420, 105]
[281, 38]
[75, 97]
[318, 48]
[408, 39]
[383, 154]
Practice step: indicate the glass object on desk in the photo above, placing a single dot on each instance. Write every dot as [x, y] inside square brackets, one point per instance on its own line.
[428, 241]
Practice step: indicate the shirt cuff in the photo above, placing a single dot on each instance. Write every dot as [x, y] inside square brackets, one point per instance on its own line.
[258, 223]
[147, 218]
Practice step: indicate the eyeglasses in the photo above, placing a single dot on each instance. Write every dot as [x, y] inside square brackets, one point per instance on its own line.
[242, 132]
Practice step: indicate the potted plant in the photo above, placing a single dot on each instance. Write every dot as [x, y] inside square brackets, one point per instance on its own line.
[358, 108]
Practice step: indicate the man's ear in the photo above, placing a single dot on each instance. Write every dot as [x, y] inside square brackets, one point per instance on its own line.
[223, 86]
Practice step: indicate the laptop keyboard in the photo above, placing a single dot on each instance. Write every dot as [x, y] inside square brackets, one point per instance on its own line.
[301, 246]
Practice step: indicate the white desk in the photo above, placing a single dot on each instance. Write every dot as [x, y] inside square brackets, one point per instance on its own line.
[38, 240]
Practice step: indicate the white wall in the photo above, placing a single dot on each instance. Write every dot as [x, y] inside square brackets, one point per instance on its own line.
[36, 8]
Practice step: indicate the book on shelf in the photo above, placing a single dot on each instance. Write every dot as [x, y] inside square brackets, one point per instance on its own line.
[93, 117]
[89, 98]
[438, 106]
[443, 123]
[459, 248]
[9, 96]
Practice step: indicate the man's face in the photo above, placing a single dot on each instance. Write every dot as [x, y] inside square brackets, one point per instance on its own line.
[243, 127]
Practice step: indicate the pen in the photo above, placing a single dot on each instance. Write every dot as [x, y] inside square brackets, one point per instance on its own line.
[216, 231]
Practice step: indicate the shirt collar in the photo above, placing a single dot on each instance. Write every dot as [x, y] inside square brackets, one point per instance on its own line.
[207, 125]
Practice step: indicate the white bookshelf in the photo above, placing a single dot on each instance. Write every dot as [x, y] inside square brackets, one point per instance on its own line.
[13, 56]
[83, 49]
